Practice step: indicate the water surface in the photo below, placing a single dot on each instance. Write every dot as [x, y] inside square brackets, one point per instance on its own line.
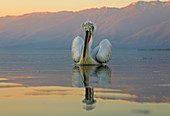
[47, 82]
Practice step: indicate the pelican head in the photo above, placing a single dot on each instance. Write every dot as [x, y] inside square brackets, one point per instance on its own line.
[88, 26]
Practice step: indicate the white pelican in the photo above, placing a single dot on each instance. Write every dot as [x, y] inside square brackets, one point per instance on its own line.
[82, 52]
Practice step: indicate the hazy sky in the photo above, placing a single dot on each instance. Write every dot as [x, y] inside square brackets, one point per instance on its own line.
[18, 7]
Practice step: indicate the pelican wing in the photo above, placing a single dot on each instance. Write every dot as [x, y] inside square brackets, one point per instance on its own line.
[104, 51]
[77, 46]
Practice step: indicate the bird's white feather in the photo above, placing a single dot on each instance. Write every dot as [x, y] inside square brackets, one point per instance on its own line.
[77, 47]
[104, 53]
[94, 52]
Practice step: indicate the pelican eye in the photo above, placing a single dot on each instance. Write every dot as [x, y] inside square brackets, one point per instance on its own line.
[92, 28]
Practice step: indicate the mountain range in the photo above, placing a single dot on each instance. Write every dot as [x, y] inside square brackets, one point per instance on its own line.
[139, 25]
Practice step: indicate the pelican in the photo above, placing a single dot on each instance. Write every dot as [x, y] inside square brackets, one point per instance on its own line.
[82, 53]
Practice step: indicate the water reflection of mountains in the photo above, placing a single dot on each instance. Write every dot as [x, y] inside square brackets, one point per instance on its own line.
[141, 84]
[100, 77]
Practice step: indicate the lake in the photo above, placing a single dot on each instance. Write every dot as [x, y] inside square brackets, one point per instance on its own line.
[47, 82]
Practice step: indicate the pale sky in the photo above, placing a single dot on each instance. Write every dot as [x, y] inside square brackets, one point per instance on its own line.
[19, 7]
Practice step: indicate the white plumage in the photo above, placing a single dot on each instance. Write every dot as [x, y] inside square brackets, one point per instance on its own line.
[82, 52]
[77, 46]
[104, 51]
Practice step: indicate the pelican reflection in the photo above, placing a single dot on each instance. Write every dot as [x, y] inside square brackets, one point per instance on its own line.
[91, 75]
[87, 76]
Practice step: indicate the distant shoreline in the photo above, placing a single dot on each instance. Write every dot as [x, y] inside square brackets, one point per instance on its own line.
[153, 49]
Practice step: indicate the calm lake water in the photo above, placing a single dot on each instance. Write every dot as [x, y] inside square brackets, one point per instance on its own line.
[48, 83]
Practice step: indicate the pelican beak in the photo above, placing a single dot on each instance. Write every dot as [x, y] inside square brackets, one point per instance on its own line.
[87, 39]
